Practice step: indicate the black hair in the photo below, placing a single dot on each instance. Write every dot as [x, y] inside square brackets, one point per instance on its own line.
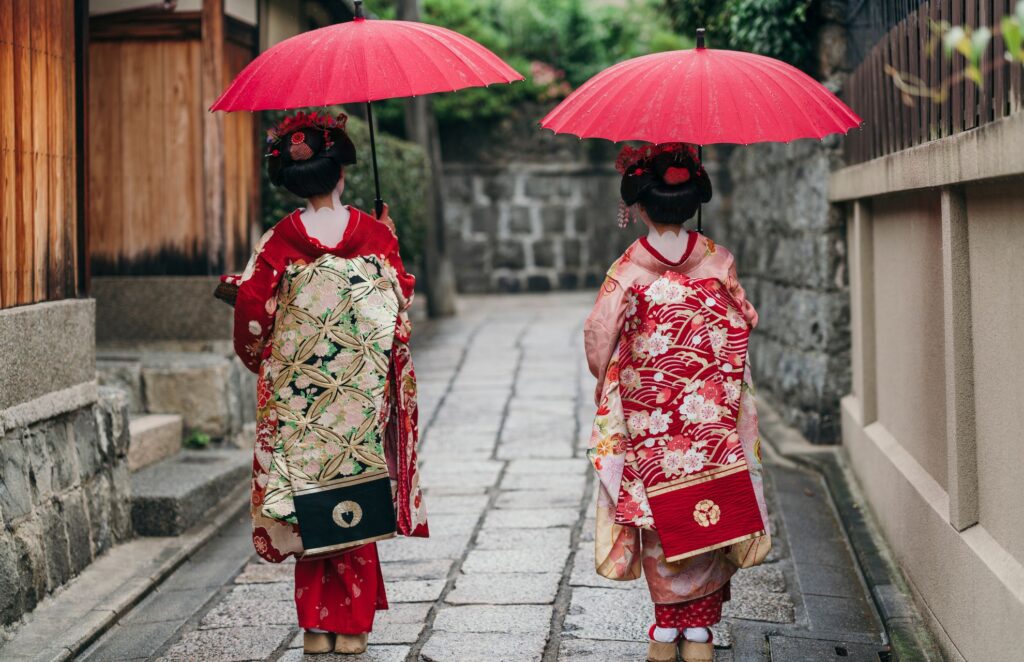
[320, 173]
[666, 203]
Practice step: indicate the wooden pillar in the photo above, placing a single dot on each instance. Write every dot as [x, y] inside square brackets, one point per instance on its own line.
[421, 128]
[961, 433]
[862, 311]
[213, 80]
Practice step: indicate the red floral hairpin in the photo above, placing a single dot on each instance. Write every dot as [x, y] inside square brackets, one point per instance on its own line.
[635, 156]
[301, 120]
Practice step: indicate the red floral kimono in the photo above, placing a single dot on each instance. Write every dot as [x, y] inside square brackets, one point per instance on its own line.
[287, 309]
[647, 436]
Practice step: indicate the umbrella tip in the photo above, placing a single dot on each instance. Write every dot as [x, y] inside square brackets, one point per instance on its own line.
[700, 37]
[358, 9]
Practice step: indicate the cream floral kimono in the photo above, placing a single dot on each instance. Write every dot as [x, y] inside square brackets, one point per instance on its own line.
[623, 551]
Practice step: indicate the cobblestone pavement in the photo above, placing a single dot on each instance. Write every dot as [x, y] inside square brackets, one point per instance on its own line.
[508, 571]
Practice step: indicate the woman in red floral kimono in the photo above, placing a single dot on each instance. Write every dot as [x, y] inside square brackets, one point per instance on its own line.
[675, 439]
[319, 316]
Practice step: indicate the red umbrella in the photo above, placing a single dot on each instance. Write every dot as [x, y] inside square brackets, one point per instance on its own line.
[702, 96]
[363, 61]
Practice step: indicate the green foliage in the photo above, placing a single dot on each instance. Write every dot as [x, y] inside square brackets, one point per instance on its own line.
[556, 44]
[782, 29]
[197, 440]
[404, 175]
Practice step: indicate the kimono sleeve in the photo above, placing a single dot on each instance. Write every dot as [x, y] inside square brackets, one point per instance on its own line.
[256, 304]
[732, 283]
[406, 281]
[601, 330]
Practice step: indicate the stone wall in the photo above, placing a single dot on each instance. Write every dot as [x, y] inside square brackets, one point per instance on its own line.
[790, 248]
[535, 227]
[63, 499]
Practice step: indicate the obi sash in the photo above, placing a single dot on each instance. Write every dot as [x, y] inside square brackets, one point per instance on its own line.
[329, 372]
[682, 354]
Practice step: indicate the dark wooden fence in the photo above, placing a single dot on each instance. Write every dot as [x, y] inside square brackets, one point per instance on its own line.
[893, 121]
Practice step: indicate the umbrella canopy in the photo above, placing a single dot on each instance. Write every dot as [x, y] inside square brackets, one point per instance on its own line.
[360, 62]
[363, 61]
[702, 96]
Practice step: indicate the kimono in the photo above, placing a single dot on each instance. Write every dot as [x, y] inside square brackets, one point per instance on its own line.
[627, 540]
[325, 330]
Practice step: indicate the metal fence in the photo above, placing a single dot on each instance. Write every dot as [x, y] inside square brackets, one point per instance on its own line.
[894, 120]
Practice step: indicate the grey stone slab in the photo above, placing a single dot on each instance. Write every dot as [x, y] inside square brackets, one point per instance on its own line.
[374, 653]
[767, 577]
[453, 524]
[423, 549]
[246, 604]
[760, 606]
[516, 449]
[539, 499]
[838, 581]
[170, 496]
[431, 569]
[595, 650]
[415, 590]
[523, 538]
[132, 640]
[787, 649]
[530, 519]
[229, 644]
[511, 619]
[505, 588]
[847, 615]
[554, 482]
[562, 468]
[599, 613]
[261, 572]
[443, 504]
[516, 560]
[164, 605]
[483, 647]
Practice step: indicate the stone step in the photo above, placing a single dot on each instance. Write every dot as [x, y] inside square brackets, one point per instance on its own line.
[154, 437]
[170, 496]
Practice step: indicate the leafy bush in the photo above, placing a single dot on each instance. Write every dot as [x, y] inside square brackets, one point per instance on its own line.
[783, 29]
[556, 44]
[403, 173]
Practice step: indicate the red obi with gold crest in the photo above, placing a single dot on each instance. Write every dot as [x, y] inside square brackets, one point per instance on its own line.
[682, 355]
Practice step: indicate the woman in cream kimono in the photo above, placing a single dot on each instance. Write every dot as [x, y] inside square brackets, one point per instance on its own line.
[663, 185]
[319, 316]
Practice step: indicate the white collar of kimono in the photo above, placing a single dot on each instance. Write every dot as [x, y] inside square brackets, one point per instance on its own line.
[327, 224]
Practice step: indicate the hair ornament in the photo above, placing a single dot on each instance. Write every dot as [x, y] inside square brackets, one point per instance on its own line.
[302, 120]
[625, 215]
[675, 176]
[639, 157]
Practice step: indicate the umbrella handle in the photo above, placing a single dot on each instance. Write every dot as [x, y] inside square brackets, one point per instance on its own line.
[378, 203]
[700, 159]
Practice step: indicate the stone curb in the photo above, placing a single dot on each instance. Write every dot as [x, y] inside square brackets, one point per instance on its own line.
[909, 637]
[73, 619]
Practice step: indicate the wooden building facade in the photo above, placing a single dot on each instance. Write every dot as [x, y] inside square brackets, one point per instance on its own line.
[173, 189]
[40, 228]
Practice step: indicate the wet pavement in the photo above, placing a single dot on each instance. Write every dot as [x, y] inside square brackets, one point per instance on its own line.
[506, 404]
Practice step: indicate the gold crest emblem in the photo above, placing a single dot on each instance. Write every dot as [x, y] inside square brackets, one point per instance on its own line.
[707, 513]
[347, 514]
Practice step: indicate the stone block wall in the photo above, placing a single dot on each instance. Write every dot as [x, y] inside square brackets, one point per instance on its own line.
[535, 227]
[63, 498]
[790, 247]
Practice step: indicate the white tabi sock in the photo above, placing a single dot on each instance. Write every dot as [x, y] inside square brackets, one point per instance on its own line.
[697, 635]
[665, 635]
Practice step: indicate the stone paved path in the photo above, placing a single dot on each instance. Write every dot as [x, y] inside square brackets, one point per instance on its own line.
[508, 572]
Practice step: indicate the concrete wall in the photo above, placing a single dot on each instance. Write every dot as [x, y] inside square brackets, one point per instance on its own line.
[790, 249]
[932, 421]
[63, 447]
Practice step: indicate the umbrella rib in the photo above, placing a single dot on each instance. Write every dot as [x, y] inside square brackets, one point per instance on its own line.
[814, 94]
[781, 88]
